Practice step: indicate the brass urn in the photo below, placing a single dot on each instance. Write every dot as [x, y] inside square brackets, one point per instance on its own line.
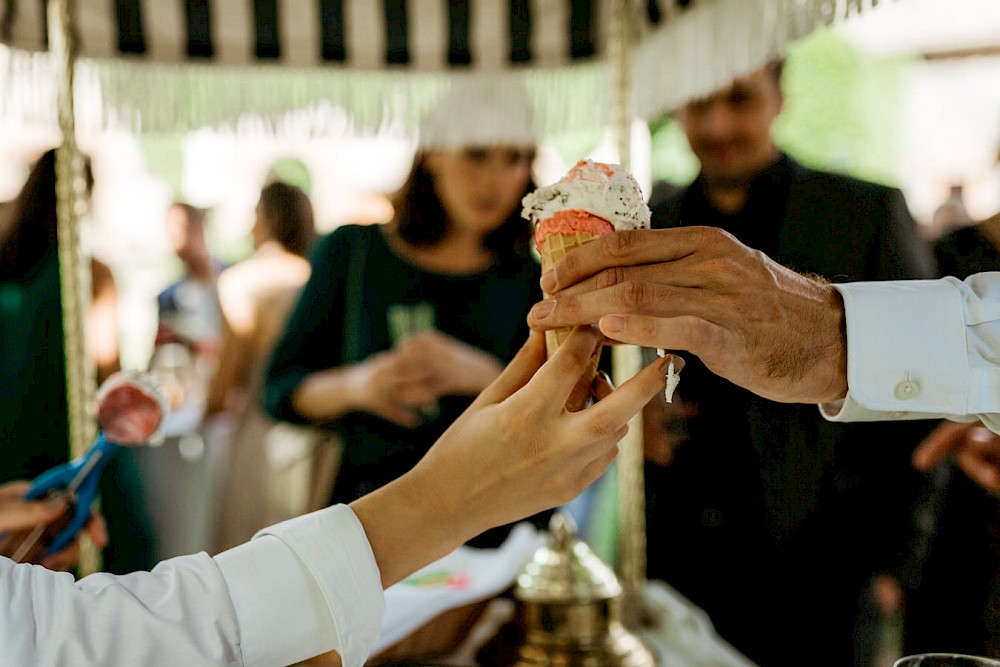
[568, 604]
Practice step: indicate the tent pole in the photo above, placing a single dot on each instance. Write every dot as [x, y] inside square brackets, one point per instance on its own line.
[627, 359]
[74, 274]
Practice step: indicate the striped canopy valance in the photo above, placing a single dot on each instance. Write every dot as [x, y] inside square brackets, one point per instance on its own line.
[421, 34]
[322, 65]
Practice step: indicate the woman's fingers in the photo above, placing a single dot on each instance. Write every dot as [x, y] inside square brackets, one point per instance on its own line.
[518, 372]
[613, 412]
[559, 376]
[601, 387]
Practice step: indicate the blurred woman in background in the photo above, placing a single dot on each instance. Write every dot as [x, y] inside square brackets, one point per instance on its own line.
[402, 324]
[255, 296]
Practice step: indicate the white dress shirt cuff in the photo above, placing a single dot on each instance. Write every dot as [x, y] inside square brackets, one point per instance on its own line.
[304, 587]
[906, 351]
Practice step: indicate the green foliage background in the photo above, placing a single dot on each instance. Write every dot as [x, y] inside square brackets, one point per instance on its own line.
[841, 112]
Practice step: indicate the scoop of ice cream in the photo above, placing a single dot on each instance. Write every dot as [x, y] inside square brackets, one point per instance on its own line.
[570, 222]
[607, 191]
[130, 409]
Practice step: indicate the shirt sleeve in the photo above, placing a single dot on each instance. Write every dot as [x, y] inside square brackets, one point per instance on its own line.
[922, 350]
[304, 587]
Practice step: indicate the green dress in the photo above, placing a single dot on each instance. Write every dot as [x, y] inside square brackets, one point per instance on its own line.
[33, 409]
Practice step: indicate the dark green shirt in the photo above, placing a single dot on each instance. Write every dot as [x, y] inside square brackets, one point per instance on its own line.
[33, 435]
[340, 320]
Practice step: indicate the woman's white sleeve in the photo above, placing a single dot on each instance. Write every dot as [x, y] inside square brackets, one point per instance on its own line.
[301, 588]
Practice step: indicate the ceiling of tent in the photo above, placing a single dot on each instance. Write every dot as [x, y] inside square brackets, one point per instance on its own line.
[179, 64]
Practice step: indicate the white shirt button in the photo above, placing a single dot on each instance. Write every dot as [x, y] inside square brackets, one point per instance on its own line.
[906, 389]
[899, 414]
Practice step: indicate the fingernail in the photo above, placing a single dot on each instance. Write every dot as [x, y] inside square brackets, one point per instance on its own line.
[613, 323]
[548, 281]
[542, 309]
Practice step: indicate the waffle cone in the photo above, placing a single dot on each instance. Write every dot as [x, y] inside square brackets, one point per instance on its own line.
[553, 248]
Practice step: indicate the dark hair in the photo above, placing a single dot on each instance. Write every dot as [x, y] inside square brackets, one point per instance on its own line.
[776, 68]
[288, 214]
[33, 218]
[421, 220]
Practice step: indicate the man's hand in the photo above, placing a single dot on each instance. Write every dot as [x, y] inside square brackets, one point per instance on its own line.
[973, 447]
[698, 289]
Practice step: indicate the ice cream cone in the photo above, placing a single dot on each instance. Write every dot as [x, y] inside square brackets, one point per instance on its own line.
[553, 248]
[593, 199]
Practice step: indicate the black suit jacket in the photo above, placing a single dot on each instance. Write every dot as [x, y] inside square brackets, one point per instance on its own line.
[839, 227]
[769, 517]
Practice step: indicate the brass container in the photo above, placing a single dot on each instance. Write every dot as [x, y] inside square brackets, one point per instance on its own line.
[567, 602]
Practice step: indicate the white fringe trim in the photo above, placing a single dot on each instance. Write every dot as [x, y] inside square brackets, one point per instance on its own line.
[302, 101]
[695, 52]
[702, 49]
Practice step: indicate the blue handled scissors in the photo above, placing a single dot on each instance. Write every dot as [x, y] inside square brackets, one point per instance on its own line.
[78, 481]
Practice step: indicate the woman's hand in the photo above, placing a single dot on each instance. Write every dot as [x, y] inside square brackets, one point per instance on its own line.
[973, 447]
[516, 451]
[393, 386]
[455, 368]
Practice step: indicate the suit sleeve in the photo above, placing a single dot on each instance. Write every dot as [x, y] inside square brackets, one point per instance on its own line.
[903, 254]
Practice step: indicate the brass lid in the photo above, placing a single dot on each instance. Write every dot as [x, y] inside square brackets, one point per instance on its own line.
[566, 570]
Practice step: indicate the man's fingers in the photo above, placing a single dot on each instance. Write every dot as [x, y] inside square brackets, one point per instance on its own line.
[518, 372]
[983, 471]
[690, 334]
[940, 443]
[628, 248]
[640, 298]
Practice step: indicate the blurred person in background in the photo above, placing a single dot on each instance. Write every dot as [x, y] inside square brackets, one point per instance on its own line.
[953, 597]
[402, 324]
[771, 519]
[255, 296]
[33, 408]
[189, 308]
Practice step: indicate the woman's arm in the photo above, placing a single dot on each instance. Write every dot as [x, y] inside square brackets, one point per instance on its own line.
[313, 584]
[312, 339]
[239, 324]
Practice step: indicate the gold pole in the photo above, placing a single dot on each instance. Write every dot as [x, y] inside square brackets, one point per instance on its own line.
[627, 359]
[74, 273]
